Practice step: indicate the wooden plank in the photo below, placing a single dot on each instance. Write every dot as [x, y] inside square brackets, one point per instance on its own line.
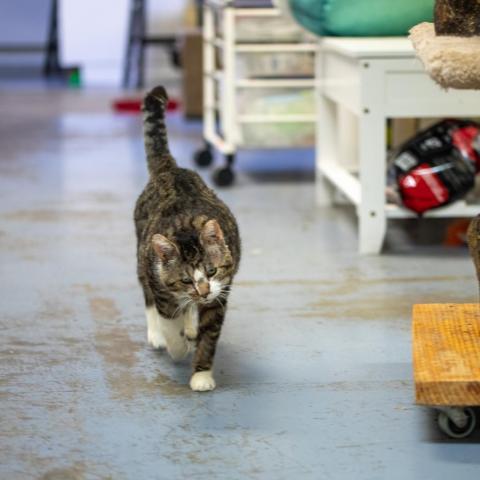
[446, 354]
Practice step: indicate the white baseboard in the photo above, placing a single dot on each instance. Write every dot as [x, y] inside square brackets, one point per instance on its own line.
[111, 76]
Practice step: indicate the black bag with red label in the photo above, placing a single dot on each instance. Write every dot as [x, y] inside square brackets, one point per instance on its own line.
[437, 166]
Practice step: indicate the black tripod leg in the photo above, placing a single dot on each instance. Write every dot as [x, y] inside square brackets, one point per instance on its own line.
[52, 62]
[141, 44]
[130, 40]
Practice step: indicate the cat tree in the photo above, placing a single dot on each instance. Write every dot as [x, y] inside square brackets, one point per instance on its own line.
[450, 48]
[446, 347]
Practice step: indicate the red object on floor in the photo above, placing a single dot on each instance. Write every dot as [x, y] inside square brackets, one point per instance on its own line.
[134, 105]
[173, 105]
[127, 105]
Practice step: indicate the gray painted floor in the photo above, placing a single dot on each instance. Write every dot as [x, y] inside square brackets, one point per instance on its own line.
[313, 370]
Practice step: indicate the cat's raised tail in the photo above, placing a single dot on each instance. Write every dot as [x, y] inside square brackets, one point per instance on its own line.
[159, 158]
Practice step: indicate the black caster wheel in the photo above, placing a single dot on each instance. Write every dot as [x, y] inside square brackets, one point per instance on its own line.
[175, 56]
[450, 428]
[223, 177]
[203, 158]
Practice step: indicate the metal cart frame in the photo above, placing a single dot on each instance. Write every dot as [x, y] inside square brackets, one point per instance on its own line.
[221, 121]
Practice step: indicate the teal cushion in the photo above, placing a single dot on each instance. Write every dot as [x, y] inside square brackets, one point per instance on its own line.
[361, 18]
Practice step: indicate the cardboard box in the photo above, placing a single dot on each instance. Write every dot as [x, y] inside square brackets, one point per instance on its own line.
[192, 50]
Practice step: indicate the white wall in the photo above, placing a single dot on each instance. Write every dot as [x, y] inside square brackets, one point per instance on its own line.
[93, 35]
[23, 22]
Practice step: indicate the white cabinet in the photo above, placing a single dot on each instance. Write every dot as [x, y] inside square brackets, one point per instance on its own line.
[363, 82]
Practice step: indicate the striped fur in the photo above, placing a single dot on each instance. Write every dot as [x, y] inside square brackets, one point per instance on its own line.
[158, 154]
[188, 244]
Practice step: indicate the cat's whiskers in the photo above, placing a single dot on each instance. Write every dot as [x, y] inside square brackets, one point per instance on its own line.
[224, 291]
[181, 306]
[222, 306]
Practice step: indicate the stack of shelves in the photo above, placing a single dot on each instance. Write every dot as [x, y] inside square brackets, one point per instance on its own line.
[259, 84]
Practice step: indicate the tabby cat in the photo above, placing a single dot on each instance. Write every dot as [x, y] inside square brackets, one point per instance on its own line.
[188, 251]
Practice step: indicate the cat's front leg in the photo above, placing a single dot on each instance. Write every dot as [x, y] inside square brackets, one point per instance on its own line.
[190, 328]
[191, 324]
[210, 324]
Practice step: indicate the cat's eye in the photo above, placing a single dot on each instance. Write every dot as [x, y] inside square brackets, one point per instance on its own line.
[211, 271]
[187, 280]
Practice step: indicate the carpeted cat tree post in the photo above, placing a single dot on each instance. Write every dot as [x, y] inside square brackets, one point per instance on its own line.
[450, 48]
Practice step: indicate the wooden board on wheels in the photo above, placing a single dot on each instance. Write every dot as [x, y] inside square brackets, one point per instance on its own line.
[446, 354]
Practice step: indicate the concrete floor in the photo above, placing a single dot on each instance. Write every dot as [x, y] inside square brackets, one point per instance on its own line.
[313, 369]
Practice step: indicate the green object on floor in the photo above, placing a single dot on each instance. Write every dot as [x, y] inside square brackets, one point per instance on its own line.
[361, 18]
[73, 78]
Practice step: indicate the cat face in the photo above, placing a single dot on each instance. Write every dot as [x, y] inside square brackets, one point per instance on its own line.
[195, 267]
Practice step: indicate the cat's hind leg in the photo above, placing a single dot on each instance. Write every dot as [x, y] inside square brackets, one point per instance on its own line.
[177, 335]
[155, 335]
[176, 342]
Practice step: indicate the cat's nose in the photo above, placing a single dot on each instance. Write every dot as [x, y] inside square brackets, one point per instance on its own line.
[203, 288]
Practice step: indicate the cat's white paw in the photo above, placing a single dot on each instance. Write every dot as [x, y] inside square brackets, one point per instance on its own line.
[191, 333]
[156, 339]
[202, 381]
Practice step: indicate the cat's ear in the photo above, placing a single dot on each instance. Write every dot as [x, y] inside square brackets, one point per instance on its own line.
[212, 234]
[211, 237]
[164, 248]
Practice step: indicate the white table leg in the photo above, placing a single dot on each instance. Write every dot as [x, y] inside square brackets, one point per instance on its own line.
[326, 148]
[372, 162]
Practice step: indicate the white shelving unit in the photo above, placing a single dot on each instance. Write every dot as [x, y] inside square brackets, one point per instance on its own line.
[362, 82]
[223, 123]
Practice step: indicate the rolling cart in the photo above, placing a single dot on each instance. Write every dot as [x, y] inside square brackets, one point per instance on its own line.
[446, 339]
[446, 356]
[258, 85]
